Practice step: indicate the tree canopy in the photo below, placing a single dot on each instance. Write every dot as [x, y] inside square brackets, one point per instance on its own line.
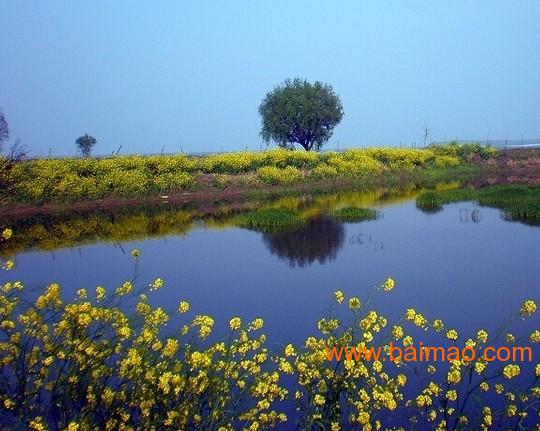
[298, 112]
[85, 144]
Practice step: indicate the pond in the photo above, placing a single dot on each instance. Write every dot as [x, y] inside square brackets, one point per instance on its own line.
[468, 264]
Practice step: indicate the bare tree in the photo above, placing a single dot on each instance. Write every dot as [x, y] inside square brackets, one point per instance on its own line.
[16, 154]
[4, 129]
[426, 135]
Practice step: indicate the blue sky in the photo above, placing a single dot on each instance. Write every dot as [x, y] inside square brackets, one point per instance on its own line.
[190, 75]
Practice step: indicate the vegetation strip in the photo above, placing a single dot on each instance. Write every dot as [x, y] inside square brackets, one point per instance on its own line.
[70, 180]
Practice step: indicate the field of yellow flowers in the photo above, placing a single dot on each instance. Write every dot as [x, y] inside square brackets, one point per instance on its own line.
[67, 180]
[88, 364]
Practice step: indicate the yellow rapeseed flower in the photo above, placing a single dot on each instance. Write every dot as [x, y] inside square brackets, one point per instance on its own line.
[183, 307]
[511, 410]
[410, 313]
[6, 234]
[126, 288]
[438, 325]
[528, 308]
[388, 284]
[171, 347]
[408, 341]
[9, 404]
[100, 293]
[319, 399]
[156, 284]
[451, 395]
[289, 350]
[339, 296]
[511, 371]
[256, 324]
[397, 332]
[354, 303]
[235, 323]
[453, 376]
[452, 334]
[482, 336]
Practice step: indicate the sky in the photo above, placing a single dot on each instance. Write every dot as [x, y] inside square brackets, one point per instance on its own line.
[189, 75]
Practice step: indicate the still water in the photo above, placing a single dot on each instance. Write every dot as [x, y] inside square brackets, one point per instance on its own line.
[465, 264]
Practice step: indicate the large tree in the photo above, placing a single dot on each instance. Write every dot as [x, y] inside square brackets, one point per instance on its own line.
[298, 112]
[85, 144]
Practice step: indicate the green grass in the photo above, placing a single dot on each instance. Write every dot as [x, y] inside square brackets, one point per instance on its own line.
[270, 220]
[517, 202]
[354, 214]
[429, 202]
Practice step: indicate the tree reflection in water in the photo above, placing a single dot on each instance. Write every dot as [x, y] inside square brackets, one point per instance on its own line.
[319, 239]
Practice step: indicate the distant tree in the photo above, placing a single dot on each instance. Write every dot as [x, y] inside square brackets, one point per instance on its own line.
[85, 144]
[4, 129]
[298, 112]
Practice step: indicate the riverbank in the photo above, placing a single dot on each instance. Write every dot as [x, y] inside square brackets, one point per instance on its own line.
[40, 182]
[38, 187]
[207, 195]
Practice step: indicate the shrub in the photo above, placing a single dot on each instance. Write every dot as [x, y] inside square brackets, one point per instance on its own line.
[299, 159]
[324, 171]
[128, 183]
[354, 163]
[170, 163]
[465, 151]
[171, 181]
[400, 158]
[445, 161]
[220, 181]
[230, 163]
[272, 175]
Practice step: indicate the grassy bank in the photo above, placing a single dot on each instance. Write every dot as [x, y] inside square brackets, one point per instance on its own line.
[517, 202]
[37, 182]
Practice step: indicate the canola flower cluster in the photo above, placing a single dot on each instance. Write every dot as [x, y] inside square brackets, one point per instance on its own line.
[88, 365]
[65, 180]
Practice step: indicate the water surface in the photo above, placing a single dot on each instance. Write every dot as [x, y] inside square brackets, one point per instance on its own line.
[465, 264]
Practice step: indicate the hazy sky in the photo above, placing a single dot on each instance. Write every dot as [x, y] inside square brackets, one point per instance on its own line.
[191, 74]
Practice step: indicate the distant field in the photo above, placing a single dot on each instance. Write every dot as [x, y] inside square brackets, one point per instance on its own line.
[71, 179]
